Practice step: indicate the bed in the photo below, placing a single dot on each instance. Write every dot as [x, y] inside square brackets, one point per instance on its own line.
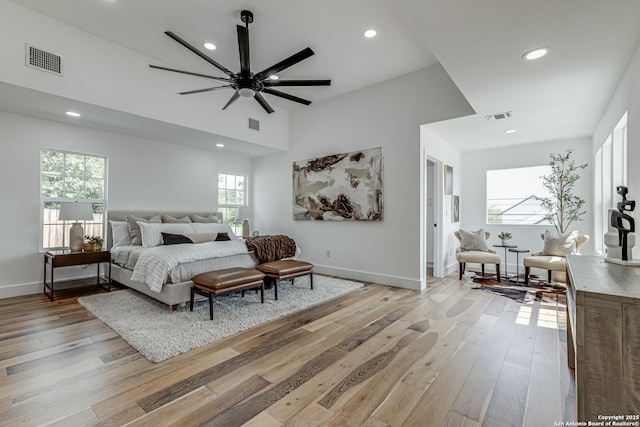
[176, 284]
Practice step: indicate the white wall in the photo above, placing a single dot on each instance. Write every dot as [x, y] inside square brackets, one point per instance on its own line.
[142, 174]
[106, 74]
[386, 115]
[445, 153]
[625, 98]
[475, 165]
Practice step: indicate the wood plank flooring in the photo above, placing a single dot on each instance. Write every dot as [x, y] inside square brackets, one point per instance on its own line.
[379, 356]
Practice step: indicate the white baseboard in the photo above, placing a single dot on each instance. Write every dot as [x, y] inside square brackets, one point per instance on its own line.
[450, 269]
[399, 282]
[22, 289]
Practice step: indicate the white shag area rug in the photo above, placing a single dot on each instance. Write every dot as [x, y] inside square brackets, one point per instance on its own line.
[159, 333]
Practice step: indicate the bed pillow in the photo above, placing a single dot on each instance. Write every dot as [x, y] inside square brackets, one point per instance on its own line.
[213, 228]
[473, 240]
[134, 228]
[205, 219]
[172, 220]
[201, 237]
[561, 244]
[152, 232]
[119, 234]
[221, 237]
[175, 239]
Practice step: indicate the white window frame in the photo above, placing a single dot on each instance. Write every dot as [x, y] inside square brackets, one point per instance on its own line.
[236, 226]
[101, 221]
[533, 217]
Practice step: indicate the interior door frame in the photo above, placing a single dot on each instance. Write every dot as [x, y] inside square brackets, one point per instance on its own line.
[438, 266]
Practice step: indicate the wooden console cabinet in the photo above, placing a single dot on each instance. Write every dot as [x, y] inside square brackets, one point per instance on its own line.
[603, 337]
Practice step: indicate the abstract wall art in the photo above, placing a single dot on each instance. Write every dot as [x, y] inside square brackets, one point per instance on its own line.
[339, 187]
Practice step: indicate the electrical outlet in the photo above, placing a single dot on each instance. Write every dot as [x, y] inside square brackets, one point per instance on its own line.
[328, 253]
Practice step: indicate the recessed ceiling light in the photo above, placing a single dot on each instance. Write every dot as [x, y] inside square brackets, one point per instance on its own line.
[72, 114]
[536, 53]
[219, 145]
[510, 131]
[274, 77]
[370, 33]
[210, 46]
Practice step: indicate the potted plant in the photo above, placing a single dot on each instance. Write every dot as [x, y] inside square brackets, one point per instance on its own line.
[563, 207]
[93, 243]
[505, 236]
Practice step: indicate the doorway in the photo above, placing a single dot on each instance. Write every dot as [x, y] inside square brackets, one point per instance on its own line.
[433, 211]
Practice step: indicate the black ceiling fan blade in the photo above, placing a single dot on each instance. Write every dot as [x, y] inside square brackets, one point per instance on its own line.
[292, 60]
[297, 83]
[263, 102]
[286, 96]
[198, 52]
[209, 89]
[231, 100]
[243, 47]
[206, 76]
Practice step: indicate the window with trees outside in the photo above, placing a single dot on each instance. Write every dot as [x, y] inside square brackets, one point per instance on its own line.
[232, 194]
[513, 195]
[67, 176]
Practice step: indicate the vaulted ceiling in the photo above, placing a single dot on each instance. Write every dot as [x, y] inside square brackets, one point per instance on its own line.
[479, 43]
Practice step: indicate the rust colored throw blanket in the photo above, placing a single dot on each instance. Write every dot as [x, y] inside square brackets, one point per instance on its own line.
[272, 248]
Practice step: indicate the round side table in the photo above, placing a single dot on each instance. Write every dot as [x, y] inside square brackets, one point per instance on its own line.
[518, 252]
[506, 264]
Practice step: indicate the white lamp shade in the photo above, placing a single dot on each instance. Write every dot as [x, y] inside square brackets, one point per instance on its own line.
[75, 211]
[245, 212]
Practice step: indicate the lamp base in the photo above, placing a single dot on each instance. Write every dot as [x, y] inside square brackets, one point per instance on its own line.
[76, 237]
[245, 229]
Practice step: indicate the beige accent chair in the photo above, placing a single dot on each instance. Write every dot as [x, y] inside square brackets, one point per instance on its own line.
[550, 262]
[478, 257]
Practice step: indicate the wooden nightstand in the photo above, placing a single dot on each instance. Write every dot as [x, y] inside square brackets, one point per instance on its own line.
[66, 258]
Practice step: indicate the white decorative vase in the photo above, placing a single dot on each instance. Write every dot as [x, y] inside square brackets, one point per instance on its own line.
[505, 242]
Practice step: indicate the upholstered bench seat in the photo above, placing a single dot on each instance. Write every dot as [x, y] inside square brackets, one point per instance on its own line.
[225, 281]
[286, 269]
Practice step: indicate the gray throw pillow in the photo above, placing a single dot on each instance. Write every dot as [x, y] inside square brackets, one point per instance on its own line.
[205, 219]
[473, 240]
[559, 244]
[170, 219]
[134, 228]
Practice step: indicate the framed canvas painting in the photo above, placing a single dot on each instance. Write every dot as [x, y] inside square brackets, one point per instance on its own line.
[455, 209]
[448, 179]
[339, 187]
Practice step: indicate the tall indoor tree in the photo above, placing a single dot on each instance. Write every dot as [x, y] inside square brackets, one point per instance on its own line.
[563, 207]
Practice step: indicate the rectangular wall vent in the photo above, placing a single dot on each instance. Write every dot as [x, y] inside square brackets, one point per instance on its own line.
[254, 124]
[43, 60]
[499, 116]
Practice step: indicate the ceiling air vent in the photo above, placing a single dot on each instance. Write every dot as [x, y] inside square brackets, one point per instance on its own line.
[499, 116]
[254, 124]
[43, 60]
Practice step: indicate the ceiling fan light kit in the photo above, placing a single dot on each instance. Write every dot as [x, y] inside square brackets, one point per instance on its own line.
[245, 83]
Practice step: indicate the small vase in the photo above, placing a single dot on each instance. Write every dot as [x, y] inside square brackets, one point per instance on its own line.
[91, 247]
[505, 242]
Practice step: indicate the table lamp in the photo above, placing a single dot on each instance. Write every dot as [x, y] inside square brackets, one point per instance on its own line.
[245, 212]
[75, 211]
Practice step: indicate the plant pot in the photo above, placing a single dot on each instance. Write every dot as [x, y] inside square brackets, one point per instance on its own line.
[505, 242]
[91, 247]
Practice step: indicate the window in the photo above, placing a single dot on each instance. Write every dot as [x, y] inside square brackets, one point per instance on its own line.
[232, 194]
[610, 172]
[66, 176]
[512, 195]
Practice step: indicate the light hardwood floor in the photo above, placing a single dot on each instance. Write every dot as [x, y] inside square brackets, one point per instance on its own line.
[379, 356]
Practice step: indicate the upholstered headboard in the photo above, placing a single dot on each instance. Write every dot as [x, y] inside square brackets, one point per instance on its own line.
[122, 216]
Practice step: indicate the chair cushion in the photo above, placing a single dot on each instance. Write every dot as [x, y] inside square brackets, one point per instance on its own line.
[473, 240]
[555, 263]
[227, 278]
[478, 257]
[284, 267]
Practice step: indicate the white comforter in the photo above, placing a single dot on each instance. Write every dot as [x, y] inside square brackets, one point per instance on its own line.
[154, 264]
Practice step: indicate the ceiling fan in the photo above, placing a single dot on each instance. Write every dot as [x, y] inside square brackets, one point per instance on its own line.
[245, 83]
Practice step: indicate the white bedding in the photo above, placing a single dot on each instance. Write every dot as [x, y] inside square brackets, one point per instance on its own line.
[154, 265]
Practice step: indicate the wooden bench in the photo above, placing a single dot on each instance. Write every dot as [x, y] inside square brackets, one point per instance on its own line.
[286, 269]
[225, 281]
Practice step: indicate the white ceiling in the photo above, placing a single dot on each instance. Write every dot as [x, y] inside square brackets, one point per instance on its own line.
[479, 43]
